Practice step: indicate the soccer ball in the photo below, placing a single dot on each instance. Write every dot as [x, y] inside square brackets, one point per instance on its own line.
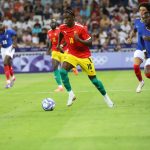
[48, 104]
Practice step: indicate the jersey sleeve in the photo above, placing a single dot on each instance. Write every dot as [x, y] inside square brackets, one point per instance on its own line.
[135, 25]
[13, 32]
[85, 34]
[48, 37]
[141, 45]
[61, 29]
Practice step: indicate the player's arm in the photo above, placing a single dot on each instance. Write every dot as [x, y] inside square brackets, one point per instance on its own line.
[60, 37]
[14, 38]
[0, 44]
[145, 54]
[62, 45]
[133, 34]
[141, 42]
[87, 42]
[49, 45]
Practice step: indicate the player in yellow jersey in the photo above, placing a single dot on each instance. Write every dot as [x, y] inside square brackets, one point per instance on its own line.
[57, 56]
[78, 41]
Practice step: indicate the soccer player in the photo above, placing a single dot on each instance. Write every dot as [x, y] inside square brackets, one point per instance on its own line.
[139, 53]
[78, 41]
[8, 42]
[57, 56]
[144, 36]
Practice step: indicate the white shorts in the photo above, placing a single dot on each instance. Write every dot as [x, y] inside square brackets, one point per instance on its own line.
[7, 51]
[147, 62]
[139, 54]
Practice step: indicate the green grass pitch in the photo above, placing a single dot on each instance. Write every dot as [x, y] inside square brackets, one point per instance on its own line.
[87, 125]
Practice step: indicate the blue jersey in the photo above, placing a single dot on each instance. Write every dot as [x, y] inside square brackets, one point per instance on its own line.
[138, 25]
[6, 38]
[144, 36]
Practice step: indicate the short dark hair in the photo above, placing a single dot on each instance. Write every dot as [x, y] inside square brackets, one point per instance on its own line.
[70, 11]
[146, 5]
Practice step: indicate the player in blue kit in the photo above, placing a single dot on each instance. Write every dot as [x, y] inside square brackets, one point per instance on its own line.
[7, 45]
[144, 36]
[139, 53]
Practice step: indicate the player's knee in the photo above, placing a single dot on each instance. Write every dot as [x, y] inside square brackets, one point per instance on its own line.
[147, 71]
[63, 73]
[147, 75]
[55, 67]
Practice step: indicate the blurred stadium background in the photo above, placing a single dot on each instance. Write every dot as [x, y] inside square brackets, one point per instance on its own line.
[89, 124]
[109, 23]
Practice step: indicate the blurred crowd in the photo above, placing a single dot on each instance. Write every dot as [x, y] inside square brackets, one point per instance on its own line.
[109, 21]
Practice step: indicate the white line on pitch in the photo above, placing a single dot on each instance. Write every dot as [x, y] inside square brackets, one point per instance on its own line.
[86, 91]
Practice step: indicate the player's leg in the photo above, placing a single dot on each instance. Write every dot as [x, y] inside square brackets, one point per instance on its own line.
[74, 69]
[7, 71]
[7, 55]
[99, 85]
[68, 64]
[5, 58]
[56, 60]
[138, 59]
[57, 76]
[147, 68]
[11, 71]
[66, 67]
[88, 66]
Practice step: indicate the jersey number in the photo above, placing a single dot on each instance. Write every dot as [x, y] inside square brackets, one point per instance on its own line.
[4, 42]
[89, 66]
[54, 39]
[71, 40]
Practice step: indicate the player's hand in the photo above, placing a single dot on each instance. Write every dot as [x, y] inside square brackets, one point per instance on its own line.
[60, 48]
[15, 45]
[76, 36]
[129, 40]
[48, 52]
[145, 55]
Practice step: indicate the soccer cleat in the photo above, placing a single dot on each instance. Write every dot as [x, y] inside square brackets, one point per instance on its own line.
[75, 71]
[71, 98]
[108, 101]
[12, 82]
[8, 86]
[59, 89]
[140, 86]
